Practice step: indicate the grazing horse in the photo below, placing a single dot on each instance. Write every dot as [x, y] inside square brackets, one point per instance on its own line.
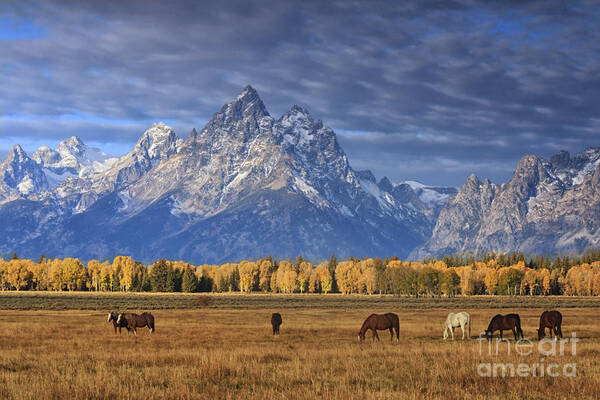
[377, 322]
[114, 316]
[276, 322]
[134, 321]
[553, 321]
[461, 319]
[503, 323]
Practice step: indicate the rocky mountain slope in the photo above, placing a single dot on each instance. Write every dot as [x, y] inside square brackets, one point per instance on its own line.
[249, 184]
[547, 207]
[244, 186]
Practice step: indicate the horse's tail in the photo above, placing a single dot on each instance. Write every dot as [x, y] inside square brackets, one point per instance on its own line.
[150, 321]
[397, 326]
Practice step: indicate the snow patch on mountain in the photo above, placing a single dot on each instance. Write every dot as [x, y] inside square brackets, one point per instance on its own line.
[430, 196]
[125, 198]
[374, 190]
[71, 158]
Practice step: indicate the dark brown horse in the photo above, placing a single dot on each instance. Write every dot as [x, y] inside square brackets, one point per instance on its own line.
[553, 321]
[114, 316]
[382, 322]
[503, 323]
[134, 321]
[276, 322]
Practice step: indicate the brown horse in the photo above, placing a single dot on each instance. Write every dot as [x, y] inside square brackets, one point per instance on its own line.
[276, 322]
[377, 322]
[553, 321]
[503, 323]
[114, 316]
[134, 321]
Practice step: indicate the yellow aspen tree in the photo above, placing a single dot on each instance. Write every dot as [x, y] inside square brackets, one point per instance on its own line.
[265, 271]
[325, 278]
[304, 273]
[248, 276]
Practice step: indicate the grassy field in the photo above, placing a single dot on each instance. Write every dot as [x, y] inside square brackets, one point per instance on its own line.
[11, 300]
[227, 350]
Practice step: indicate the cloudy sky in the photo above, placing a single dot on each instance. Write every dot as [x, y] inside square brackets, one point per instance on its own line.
[428, 90]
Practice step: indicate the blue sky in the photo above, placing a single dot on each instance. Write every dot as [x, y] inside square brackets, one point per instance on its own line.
[422, 90]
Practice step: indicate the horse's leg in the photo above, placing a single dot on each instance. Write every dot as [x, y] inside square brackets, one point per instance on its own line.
[462, 328]
[375, 335]
[514, 330]
[500, 333]
[560, 331]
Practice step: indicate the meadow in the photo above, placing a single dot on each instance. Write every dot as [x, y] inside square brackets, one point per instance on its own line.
[225, 349]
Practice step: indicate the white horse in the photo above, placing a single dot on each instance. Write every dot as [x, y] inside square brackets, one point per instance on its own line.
[461, 319]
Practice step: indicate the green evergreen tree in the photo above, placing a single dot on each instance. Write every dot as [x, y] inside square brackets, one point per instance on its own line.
[331, 265]
[116, 283]
[146, 283]
[159, 276]
[189, 281]
[136, 284]
[234, 280]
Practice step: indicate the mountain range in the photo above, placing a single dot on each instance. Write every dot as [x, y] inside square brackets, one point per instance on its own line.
[248, 184]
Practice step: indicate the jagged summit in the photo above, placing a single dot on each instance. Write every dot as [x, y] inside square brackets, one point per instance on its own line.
[20, 175]
[247, 104]
[243, 185]
[546, 207]
[247, 184]
[16, 154]
[158, 142]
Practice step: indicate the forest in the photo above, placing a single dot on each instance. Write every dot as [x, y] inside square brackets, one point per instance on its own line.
[486, 274]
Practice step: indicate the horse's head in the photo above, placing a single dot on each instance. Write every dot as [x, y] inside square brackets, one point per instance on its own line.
[541, 334]
[489, 333]
[112, 316]
[361, 336]
[445, 332]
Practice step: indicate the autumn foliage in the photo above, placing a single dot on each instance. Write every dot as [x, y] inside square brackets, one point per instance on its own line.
[496, 275]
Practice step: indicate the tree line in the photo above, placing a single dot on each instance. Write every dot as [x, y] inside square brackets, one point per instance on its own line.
[489, 273]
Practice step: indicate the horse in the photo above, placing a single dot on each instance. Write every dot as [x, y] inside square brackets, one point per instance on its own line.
[134, 321]
[505, 322]
[461, 319]
[377, 322]
[114, 316]
[276, 322]
[553, 321]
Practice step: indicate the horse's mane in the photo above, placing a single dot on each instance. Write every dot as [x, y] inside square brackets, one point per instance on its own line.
[364, 326]
[495, 318]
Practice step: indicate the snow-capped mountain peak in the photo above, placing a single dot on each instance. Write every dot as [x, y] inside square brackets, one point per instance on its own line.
[158, 142]
[20, 174]
[16, 155]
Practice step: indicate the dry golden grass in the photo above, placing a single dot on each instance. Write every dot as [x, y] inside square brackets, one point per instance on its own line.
[230, 353]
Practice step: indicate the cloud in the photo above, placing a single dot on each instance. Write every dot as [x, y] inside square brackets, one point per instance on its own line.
[477, 84]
